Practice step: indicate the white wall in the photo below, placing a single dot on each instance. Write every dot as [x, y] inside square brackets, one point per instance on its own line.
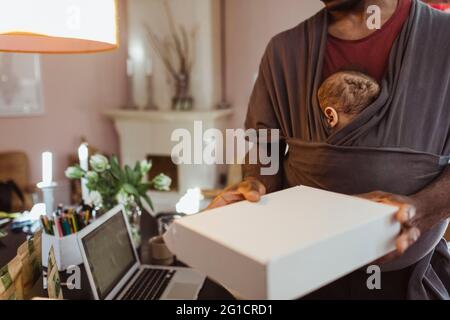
[200, 14]
[250, 26]
[77, 90]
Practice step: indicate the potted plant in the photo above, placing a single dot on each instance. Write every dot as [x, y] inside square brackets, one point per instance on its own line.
[110, 184]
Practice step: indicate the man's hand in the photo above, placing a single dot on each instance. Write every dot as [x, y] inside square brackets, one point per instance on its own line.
[408, 215]
[250, 189]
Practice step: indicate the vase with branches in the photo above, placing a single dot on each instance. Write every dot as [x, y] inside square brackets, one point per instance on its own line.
[176, 51]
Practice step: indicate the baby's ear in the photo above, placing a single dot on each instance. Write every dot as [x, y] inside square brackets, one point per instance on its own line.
[332, 117]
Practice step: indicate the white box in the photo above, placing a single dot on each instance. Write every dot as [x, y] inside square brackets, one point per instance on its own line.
[288, 245]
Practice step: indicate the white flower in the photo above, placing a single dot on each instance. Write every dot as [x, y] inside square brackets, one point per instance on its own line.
[95, 199]
[92, 176]
[74, 173]
[125, 199]
[146, 166]
[122, 198]
[99, 163]
[162, 182]
[131, 200]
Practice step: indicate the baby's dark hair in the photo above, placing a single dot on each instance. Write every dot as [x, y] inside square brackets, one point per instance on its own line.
[349, 92]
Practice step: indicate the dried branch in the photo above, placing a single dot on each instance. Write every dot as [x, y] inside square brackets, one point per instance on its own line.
[160, 51]
[185, 42]
[178, 46]
[175, 36]
[192, 41]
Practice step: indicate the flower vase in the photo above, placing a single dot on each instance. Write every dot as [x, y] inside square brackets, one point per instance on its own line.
[182, 101]
[134, 219]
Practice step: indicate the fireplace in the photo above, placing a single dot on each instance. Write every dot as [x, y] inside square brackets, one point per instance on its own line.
[147, 135]
[164, 164]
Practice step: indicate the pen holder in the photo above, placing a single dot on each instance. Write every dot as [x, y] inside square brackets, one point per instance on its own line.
[67, 251]
[67, 254]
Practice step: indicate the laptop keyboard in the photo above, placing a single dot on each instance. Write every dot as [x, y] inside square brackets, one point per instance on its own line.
[150, 285]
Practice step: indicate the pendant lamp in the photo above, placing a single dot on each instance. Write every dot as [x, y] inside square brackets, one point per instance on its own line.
[58, 26]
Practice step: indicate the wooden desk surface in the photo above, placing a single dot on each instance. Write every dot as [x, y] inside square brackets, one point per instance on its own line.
[210, 290]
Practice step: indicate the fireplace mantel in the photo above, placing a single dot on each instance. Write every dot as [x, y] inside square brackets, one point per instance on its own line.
[169, 116]
[143, 134]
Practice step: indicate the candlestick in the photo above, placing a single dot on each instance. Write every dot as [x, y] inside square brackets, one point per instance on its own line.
[83, 155]
[150, 102]
[47, 185]
[47, 168]
[149, 68]
[130, 85]
[49, 198]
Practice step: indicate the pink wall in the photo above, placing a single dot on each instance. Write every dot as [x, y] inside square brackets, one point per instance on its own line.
[250, 26]
[77, 90]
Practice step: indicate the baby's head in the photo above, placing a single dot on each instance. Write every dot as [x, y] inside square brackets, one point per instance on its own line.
[344, 95]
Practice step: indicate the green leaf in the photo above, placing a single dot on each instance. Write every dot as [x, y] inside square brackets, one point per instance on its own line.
[115, 169]
[138, 177]
[144, 187]
[131, 189]
[137, 167]
[148, 200]
[130, 176]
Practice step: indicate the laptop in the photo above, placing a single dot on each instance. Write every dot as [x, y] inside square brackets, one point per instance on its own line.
[115, 272]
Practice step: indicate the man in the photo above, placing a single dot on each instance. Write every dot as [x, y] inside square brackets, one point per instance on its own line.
[400, 144]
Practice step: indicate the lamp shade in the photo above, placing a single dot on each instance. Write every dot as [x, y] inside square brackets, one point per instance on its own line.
[58, 26]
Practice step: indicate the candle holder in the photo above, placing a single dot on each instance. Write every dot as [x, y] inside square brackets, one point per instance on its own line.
[130, 94]
[48, 192]
[130, 85]
[150, 101]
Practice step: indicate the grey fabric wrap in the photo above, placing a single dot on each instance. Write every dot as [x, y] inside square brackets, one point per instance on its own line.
[399, 144]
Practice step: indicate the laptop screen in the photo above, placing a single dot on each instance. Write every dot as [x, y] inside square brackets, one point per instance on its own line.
[109, 253]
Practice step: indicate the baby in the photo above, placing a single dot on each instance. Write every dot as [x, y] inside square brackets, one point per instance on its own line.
[344, 95]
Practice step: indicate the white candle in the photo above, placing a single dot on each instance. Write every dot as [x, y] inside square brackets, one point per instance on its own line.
[47, 168]
[83, 155]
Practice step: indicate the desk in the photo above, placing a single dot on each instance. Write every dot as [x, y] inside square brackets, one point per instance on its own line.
[210, 290]
[9, 246]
